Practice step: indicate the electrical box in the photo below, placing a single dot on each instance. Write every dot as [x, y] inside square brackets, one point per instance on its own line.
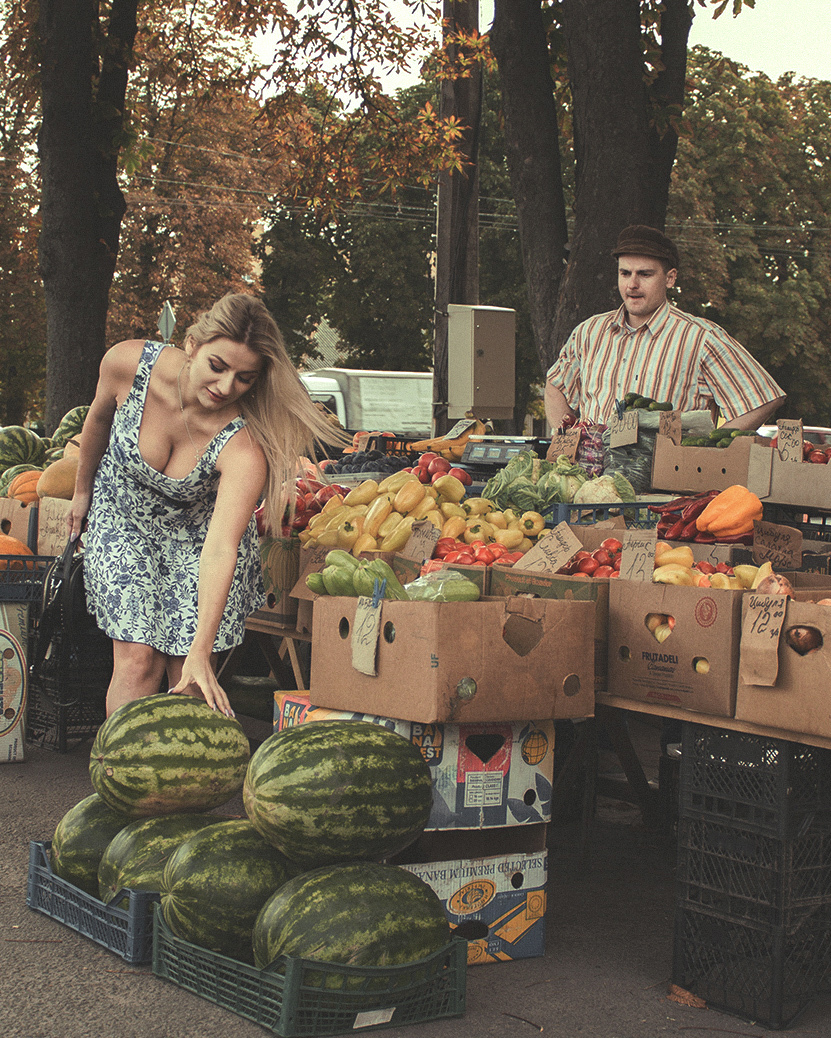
[481, 356]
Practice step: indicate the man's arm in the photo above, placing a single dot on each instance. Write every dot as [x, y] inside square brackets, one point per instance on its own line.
[758, 416]
[556, 406]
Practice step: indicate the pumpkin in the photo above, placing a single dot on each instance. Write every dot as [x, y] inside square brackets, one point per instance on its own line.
[12, 546]
[58, 479]
[23, 486]
[72, 447]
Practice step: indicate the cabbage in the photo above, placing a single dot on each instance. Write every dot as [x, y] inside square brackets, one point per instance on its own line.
[608, 489]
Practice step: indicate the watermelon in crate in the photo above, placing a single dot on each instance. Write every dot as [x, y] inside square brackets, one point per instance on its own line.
[81, 837]
[333, 791]
[165, 754]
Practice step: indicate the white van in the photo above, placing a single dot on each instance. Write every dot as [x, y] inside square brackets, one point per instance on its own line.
[375, 401]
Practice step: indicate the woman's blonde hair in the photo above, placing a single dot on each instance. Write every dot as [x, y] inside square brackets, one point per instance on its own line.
[277, 409]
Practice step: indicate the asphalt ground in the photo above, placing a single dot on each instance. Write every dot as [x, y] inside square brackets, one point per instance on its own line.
[605, 973]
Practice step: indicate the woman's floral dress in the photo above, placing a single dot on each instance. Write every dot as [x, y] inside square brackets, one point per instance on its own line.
[145, 534]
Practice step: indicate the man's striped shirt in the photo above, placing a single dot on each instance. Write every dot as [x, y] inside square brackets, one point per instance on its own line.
[674, 356]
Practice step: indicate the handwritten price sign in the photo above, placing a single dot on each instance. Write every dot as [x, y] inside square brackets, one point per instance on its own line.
[789, 439]
[762, 623]
[781, 546]
[365, 632]
[563, 443]
[623, 430]
[637, 558]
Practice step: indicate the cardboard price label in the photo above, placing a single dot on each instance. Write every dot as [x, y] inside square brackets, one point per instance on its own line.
[552, 551]
[669, 425]
[781, 546]
[637, 557]
[421, 542]
[563, 443]
[761, 628]
[789, 439]
[623, 430]
[365, 634]
[461, 426]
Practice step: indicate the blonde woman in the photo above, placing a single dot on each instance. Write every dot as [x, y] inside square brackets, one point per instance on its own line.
[178, 449]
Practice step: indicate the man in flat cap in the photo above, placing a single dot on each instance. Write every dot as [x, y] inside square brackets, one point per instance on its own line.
[654, 349]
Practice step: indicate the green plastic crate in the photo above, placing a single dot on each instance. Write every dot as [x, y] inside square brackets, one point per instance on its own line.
[298, 997]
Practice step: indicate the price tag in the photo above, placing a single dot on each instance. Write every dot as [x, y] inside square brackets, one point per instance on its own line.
[365, 633]
[461, 426]
[669, 425]
[789, 439]
[637, 557]
[363, 440]
[421, 542]
[623, 430]
[781, 546]
[564, 443]
[762, 623]
[551, 552]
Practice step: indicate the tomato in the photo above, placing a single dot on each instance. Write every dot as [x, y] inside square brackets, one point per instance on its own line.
[422, 473]
[465, 557]
[323, 495]
[306, 486]
[462, 475]
[818, 457]
[484, 555]
[301, 520]
[722, 567]
[582, 554]
[616, 563]
[425, 458]
[807, 447]
[587, 566]
[703, 566]
[602, 557]
[603, 571]
[498, 549]
[612, 545]
[438, 465]
[473, 545]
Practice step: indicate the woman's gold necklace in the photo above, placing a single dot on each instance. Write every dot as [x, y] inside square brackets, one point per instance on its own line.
[197, 451]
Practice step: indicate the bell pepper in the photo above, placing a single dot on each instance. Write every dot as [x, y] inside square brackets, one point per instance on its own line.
[411, 494]
[398, 537]
[497, 520]
[366, 542]
[378, 512]
[454, 527]
[425, 505]
[435, 517]
[363, 494]
[478, 506]
[531, 523]
[335, 501]
[511, 539]
[388, 525]
[392, 484]
[328, 538]
[349, 531]
[478, 530]
[450, 508]
[450, 488]
[730, 513]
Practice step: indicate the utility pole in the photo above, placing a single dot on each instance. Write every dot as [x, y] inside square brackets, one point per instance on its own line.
[457, 226]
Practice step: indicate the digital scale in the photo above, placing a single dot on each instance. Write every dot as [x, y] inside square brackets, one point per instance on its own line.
[484, 455]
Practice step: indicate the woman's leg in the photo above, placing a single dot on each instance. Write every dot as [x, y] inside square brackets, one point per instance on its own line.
[137, 672]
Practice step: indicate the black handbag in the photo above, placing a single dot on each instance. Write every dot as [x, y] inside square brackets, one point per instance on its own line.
[70, 658]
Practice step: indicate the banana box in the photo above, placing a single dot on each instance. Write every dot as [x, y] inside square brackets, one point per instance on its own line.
[492, 886]
[280, 557]
[485, 775]
[13, 680]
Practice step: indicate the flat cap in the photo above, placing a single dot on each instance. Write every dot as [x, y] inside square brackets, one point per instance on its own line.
[639, 240]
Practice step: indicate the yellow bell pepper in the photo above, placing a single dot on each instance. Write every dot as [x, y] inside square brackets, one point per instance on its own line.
[329, 538]
[410, 494]
[531, 523]
[731, 513]
[510, 517]
[396, 540]
[477, 506]
[335, 501]
[364, 543]
[478, 529]
[436, 518]
[682, 556]
[349, 531]
[425, 505]
[363, 493]
[378, 512]
[392, 484]
[454, 526]
[510, 538]
[450, 488]
[448, 508]
[388, 525]
[497, 519]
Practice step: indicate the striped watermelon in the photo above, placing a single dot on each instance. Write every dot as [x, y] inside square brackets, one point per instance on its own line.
[19, 446]
[359, 914]
[331, 791]
[70, 425]
[216, 883]
[135, 858]
[80, 839]
[168, 754]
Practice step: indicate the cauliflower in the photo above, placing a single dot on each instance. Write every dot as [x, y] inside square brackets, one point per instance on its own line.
[608, 489]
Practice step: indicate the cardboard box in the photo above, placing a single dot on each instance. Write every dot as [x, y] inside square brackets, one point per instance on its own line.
[707, 627]
[281, 568]
[788, 482]
[492, 884]
[696, 469]
[15, 518]
[484, 775]
[14, 618]
[800, 701]
[511, 659]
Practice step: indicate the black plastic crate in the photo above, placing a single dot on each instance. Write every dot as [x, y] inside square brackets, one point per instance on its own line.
[21, 577]
[636, 516]
[755, 783]
[750, 876]
[126, 931]
[764, 974]
[296, 997]
[814, 523]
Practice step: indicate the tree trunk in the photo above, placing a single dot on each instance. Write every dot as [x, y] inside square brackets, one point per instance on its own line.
[457, 225]
[668, 93]
[81, 203]
[519, 44]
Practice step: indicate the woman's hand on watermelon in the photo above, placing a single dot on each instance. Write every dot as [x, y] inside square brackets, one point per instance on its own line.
[198, 679]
